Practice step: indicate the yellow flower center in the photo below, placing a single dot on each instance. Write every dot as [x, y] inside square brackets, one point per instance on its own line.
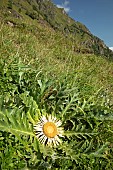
[50, 129]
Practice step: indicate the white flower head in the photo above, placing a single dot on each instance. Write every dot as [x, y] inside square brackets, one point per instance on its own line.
[48, 130]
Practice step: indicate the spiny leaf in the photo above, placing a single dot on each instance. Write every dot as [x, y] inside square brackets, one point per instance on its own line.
[31, 104]
[9, 123]
[83, 134]
[100, 150]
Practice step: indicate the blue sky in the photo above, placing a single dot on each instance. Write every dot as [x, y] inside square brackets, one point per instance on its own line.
[96, 15]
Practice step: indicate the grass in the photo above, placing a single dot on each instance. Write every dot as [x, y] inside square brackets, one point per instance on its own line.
[51, 55]
[39, 72]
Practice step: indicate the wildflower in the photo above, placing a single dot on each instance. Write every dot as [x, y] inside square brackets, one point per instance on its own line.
[48, 130]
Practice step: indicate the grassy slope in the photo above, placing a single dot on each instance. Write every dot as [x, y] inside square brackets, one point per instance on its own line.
[45, 53]
[45, 12]
[49, 52]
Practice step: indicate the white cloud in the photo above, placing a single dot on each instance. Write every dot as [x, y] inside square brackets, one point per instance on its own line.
[66, 3]
[59, 6]
[65, 6]
[111, 48]
[67, 9]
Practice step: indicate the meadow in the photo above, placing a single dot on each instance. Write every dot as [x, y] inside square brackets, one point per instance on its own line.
[40, 75]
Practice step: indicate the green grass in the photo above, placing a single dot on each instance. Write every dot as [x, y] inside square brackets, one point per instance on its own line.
[39, 72]
[52, 54]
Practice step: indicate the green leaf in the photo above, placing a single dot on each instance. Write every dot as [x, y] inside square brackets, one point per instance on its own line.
[10, 123]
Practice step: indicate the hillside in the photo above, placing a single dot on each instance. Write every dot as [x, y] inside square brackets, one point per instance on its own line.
[56, 91]
[36, 12]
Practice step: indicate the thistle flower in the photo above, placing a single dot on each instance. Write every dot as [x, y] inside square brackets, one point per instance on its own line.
[48, 130]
